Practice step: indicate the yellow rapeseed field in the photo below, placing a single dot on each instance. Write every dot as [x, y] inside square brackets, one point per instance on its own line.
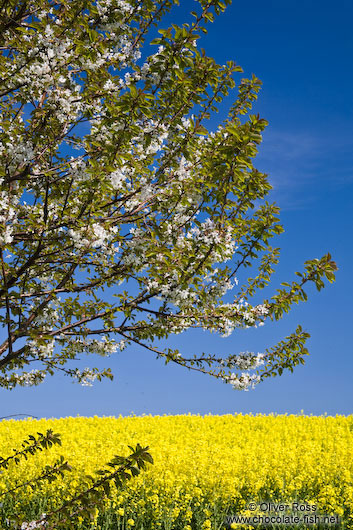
[205, 466]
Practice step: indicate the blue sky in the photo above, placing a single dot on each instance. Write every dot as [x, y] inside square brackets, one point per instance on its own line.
[301, 51]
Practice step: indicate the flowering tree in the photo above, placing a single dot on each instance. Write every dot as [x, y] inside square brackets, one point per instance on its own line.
[122, 218]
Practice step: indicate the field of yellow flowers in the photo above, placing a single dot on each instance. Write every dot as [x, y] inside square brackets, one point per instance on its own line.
[206, 467]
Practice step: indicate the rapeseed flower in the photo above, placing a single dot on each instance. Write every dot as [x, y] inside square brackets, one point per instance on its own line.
[205, 467]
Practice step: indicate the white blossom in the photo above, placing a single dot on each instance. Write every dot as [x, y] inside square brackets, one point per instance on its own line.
[34, 377]
[245, 360]
[244, 381]
[86, 377]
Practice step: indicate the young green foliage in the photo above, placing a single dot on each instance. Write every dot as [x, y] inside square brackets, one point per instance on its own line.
[31, 446]
[87, 501]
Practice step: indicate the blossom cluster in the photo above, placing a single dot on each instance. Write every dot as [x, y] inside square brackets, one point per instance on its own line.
[245, 381]
[32, 378]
